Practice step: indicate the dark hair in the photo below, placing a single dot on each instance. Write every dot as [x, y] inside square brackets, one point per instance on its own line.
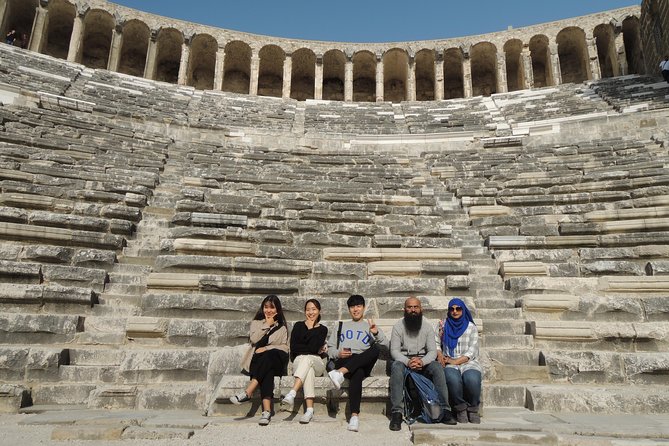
[317, 304]
[354, 300]
[272, 299]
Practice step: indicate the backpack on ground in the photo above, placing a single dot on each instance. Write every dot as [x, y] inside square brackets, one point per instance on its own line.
[421, 399]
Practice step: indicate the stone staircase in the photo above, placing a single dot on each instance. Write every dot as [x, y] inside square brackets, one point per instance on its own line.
[134, 253]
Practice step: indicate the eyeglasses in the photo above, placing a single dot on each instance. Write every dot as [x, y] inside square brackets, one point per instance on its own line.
[454, 309]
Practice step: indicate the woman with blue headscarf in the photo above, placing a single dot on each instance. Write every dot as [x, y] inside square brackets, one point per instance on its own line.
[459, 342]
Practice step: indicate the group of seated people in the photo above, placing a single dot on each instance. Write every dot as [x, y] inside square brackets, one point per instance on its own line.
[446, 354]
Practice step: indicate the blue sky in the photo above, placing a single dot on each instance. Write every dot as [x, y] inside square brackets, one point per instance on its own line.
[372, 20]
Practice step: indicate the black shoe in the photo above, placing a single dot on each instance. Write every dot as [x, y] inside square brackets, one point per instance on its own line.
[395, 421]
[448, 419]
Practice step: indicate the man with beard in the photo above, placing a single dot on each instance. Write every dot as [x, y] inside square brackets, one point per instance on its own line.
[413, 346]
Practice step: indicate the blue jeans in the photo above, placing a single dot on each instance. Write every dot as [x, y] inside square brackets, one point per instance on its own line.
[464, 389]
[432, 371]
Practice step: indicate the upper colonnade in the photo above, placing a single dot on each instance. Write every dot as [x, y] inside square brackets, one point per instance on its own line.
[100, 34]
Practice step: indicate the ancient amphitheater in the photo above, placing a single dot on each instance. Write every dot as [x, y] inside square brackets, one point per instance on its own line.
[160, 177]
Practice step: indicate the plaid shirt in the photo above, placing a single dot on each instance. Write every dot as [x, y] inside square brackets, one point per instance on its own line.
[468, 345]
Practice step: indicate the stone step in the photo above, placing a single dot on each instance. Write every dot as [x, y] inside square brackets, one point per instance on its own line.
[601, 399]
[374, 395]
[506, 327]
[87, 374]
[492, 293]
[514, 356]
[507, 341]
[493, 302]
[125, 288]
[507, 313]
[129, 259]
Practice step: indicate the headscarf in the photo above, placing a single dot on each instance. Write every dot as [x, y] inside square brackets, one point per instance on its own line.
[454, 328]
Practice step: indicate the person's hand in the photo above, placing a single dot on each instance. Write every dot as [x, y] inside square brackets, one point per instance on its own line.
[343, 353]
[372, 327]
[441, 359]
[323, 349]
[416, 364]
[261, 349]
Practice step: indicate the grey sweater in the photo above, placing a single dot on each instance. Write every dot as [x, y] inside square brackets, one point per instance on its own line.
[354, 335]
[404, 346]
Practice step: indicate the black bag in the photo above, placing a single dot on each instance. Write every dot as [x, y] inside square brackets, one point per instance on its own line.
[330, 365]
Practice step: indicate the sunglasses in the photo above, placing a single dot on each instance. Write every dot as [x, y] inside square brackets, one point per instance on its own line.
[454, 309]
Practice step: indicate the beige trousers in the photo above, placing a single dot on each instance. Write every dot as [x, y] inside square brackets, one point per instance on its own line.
[307, 368]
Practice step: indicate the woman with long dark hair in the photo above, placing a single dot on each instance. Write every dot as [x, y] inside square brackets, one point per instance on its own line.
[267, 357]
[459, 356]
[306, 345]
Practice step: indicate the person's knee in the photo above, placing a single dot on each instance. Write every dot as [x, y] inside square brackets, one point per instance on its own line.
[397, 367]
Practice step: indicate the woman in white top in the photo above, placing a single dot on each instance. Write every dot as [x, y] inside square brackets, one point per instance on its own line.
[459, 356]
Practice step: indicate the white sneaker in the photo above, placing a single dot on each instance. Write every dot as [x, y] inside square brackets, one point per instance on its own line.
[337, 378]
[240, 398]
[287, 403]
[265, 417]
[353, 424]
[307, 417]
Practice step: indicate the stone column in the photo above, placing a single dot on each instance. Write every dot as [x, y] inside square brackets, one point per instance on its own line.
[183, 64]
[348, 80]
[39, 29]
[3, 19]
[255, 74]
[115, 50]
[467, 76]
[622, 53]
[318, 78]
[528, 72]
[219, 72]
[379, 78]
[73, 54]
[555, 64]
[439, 76]
[287, 75]
[502, 84]
[151, 56]
[411, 81]
[594, 69]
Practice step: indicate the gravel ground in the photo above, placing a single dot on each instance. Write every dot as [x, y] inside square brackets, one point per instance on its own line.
[229, 431]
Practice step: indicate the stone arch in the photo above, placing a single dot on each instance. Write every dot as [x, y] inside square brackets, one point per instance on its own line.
[541, 61]
[454, 80]
[364, 77]
[202, 62]
[334, 75]
[19, 16]
[395, 75]
[168, 55]
[606, 50]
[425, 75]
[573, 54]
[270, 74]
[59, 28]
[136, 36]
[632, 37]
[97, 39]
[515, 73]
[303, 76]
[484, 69]
[237, 66]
